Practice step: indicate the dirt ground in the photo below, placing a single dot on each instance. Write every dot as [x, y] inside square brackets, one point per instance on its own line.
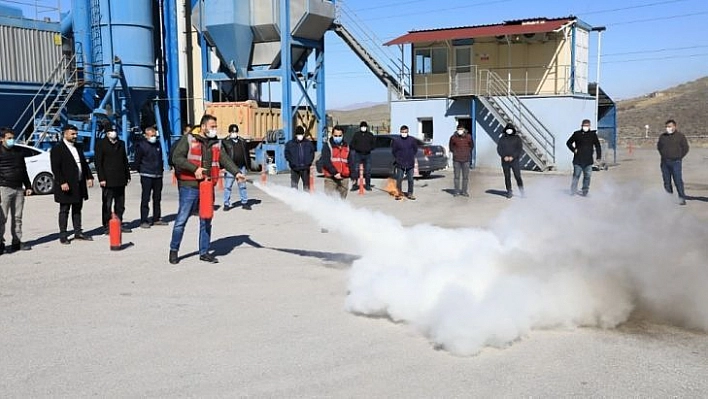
[268, 321]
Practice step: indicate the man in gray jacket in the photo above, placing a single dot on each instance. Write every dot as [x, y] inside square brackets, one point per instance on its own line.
[672, 147]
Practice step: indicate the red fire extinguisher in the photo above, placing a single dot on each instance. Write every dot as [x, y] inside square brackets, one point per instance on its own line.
[115, 233]
[206, 199]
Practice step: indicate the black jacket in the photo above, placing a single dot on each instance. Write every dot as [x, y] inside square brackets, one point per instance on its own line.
[236, 150]
[363, 142]
[148, 159]
[65, 170]
[584, 142]
[672, 147]
[510, 145]
[112, 163]
[13, 170]
[299, 154]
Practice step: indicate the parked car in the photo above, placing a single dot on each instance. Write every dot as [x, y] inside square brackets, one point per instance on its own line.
[430, 157]
[39, 169]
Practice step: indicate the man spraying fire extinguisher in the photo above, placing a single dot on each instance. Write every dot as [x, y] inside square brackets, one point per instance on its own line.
[198, 161]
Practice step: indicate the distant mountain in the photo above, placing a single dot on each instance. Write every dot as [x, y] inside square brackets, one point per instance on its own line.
[686, 103]
[376, 115]
[353, 107]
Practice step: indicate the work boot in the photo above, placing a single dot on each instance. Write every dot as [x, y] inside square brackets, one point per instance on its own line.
[208, 258]
[174, 259]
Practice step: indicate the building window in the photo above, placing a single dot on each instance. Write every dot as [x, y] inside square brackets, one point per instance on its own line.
[430, 60]
[425, 128]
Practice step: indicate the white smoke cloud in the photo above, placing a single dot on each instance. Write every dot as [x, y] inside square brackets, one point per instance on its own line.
[548, 261]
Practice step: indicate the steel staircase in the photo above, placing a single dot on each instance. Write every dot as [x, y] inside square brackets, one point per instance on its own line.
[505, 107]
[394, 74]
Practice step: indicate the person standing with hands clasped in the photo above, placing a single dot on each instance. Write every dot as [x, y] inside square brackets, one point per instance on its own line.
[148, 162]
[336, 156]
[300, 154]
[404, 149]
[113, 172]
[461, 146]
[235, 148]
[581, 143]
[673, 147]
[361, 146]
[510, 148]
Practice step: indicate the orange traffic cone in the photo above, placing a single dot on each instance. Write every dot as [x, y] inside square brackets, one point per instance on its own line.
[312, 179]
[360, 181]
[416, 171]
[220, 183]
[264, 176]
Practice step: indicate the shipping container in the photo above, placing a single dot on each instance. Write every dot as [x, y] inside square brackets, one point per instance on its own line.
[254, 121]
[28, 55]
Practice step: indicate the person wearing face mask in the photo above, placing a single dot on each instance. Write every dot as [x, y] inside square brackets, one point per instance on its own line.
[461, 146]
[581, 143]
[362, 144]
[198, 157]
[300, 154]
[673, 147]
[235, 148]
[404, 149]
[148, 162]
[510, 148]
[336, 157]
[71, 178]
[113, 172]
[13, 175]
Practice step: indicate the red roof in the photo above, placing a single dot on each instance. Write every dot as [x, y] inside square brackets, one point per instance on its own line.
[519, 27]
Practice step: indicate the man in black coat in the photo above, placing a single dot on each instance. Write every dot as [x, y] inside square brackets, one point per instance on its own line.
[113, 175]
[673, 147]
[148, 162]
[362, 144]
[300, 154]
[581, 143]
[71, 175]
[510, 148]
[13, 175]
[235, 148]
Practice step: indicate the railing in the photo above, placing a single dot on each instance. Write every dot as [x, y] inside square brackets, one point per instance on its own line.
[498, 91]
[392, 62]
[463, 80]
[59, 76]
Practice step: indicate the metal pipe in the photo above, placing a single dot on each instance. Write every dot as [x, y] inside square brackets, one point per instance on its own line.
[172, 53]
[599, 30]
[321, 105]
[286, 67]
[162, 137]
[81, 24]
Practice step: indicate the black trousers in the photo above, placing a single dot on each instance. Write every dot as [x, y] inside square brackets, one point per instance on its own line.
[75, 209]
[150, 185]
[297, 175]
[509, 167]
[111, 196]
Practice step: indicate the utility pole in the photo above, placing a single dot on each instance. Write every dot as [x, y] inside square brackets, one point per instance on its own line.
[599, 30]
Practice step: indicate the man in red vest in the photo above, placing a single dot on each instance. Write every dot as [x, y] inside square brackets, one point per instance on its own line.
[335, 163]
[197, 156]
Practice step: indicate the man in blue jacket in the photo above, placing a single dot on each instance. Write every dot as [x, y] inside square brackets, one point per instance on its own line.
[148, 161]
[300, 154]
[404, 150]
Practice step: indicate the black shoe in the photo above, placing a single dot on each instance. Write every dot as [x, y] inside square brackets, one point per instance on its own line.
[208, 258]
[174, 259]
[355, 188]
[82, 237]
[144, 225]
[20, 247]
[2, 249]
[246, 207]
[64, 241]
[683, 202]
[226, 208]
[509, 194]
[464, 194]
[368, 188]
[126, 229]
[160, 223]
[411, 197]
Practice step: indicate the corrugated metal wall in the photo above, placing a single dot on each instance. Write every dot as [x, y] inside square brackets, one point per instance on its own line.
[27, 55]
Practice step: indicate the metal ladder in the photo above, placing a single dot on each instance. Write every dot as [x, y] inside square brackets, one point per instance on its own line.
[55, 94]
[539, 142]
[96, 39]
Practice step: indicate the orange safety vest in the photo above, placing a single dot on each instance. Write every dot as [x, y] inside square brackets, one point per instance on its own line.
[194, 156]
[340, 160]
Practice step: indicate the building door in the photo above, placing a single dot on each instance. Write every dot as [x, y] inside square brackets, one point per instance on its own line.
[463, 74]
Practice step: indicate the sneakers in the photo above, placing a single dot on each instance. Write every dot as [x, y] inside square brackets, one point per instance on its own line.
[208, 258]
[144, 225]
[160, 223]
[174, 259]
[82, 237]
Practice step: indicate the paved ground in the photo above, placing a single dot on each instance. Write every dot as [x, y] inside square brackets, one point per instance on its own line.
[80, 320]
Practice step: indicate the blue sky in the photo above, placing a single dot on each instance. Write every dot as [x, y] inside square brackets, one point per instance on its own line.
[648, 45]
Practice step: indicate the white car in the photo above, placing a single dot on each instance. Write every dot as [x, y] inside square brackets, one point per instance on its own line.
[39, 169]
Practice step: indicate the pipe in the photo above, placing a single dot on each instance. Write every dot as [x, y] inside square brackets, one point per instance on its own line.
[172, 53]
[81, 24]
[67, 24]
[162, 137]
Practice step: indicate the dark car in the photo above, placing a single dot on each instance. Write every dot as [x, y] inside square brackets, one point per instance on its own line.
[430, 157]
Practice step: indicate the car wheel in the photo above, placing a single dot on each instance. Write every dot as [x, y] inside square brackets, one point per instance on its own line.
[43, 184]
[426, 174]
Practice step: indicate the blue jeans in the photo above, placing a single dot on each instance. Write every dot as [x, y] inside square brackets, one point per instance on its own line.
[189, 200]
[399, 179]
[577, 170]
[358, 160]
[672, 169]
[228, 185]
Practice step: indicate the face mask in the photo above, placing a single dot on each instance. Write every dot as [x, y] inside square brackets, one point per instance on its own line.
[586, 128]
[509, 131]
[10, 143]
[670, 130]
[299, 137]
[460, 132]
[337, 140]
[404, 135]
[363, 128]
[112, 135]
[233, 136]
[211, 133]
[152, 140]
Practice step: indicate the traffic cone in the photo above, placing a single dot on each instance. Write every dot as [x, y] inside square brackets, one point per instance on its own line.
[264, 176]
[416, 171]
[174, 178]
[220, 183]
[312, 179]
[360, 181]
[115, 233]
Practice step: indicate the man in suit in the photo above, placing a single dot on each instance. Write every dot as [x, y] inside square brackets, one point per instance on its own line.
[71, 175]
[113, 175]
